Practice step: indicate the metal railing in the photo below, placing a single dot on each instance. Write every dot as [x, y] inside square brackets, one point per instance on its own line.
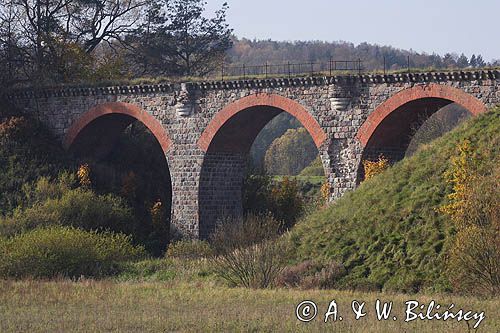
[325, 68]
[291, 69]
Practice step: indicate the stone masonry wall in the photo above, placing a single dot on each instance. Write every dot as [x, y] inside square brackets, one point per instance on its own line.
[203, 184]
[220, 191]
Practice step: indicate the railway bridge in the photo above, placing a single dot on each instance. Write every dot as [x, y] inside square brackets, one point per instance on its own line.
[206, 129]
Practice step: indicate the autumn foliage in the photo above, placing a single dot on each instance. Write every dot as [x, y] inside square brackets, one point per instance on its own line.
[373, 168]
[474, 208]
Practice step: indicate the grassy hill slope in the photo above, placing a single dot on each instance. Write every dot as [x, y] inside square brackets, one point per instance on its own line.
[387, 233]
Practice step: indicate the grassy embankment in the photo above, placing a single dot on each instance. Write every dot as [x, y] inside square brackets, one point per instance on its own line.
[388, 233]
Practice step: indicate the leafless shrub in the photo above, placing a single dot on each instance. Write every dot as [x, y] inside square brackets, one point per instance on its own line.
[248, 251]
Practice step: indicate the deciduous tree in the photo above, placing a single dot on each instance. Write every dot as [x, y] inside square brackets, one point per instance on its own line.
[177, 39]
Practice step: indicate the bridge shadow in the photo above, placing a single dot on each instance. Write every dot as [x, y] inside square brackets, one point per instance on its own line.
[127, 158]
[409, 126]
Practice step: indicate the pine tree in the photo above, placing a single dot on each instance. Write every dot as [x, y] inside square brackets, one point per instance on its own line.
[462, 61]
[480, 61]
[449, 60]
[473, 61]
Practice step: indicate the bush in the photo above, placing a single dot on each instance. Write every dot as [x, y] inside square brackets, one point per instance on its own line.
[28, 151]
[474, 258]
[71, 207]
[247, 251]
[67, 252]
[189, 249]
[292, 276]
[281, 199]
[286, 203]
[373, 168]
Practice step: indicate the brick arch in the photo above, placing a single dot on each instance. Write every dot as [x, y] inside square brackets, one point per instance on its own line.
[262, 100]
[435, 91]
[118, 108]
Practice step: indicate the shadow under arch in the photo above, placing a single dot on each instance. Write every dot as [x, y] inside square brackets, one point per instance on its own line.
[114, 117]
[127, 150]
[226, 142]
[388, 129]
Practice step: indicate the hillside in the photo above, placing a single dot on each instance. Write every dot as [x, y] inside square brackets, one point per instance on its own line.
[258, 52]
[388, 233]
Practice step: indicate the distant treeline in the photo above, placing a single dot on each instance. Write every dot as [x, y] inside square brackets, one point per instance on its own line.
[257, 52]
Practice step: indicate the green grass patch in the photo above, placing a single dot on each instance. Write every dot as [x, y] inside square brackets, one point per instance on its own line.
[388, 233]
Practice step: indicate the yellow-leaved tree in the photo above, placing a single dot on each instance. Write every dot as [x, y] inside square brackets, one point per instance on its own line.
[474, 208]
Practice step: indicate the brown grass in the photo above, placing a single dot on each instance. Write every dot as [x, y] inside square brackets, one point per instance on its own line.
[202, 306]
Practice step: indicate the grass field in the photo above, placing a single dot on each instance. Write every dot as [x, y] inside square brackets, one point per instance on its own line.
[110, 306]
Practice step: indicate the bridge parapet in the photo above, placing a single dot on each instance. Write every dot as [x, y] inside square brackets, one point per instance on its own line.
[273, 83]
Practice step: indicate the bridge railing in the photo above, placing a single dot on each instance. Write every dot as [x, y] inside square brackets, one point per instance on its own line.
[290, 69]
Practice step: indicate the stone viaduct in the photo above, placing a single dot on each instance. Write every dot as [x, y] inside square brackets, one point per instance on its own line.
[207, 128]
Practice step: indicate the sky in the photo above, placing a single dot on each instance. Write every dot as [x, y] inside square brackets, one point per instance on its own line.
[432, 26]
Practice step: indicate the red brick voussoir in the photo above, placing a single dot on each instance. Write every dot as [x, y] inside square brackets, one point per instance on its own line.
[270, 100]
[431, 90]
[118, 108]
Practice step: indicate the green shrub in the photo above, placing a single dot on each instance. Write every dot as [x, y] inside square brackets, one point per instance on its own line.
[28, 151]
[189, 249]
[286, 203]
[77, 207]
[65, 251]
[281, 198]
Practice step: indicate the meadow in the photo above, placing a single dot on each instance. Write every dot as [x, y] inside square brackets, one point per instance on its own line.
[207, 306]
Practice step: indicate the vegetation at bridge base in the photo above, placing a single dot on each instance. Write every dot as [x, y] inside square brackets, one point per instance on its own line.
[42, 185]
[60, 202]
[27, 151]
[65, 252]
[390, 233]
[373, 168]
[280, 197]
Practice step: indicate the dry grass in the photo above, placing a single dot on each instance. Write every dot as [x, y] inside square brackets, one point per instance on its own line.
[202, 306]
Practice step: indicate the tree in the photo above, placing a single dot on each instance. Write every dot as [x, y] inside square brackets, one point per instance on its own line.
[474, 206]
[290, 153]
[55, 38]
[462, 61]
[473, 61]
[177, 39]
[480, 61]
[10, 57]
[450, 60]
[273, 130]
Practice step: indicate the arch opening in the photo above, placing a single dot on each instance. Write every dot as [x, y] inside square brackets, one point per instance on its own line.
[126, 154]
[228, 142]
[407, 118]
